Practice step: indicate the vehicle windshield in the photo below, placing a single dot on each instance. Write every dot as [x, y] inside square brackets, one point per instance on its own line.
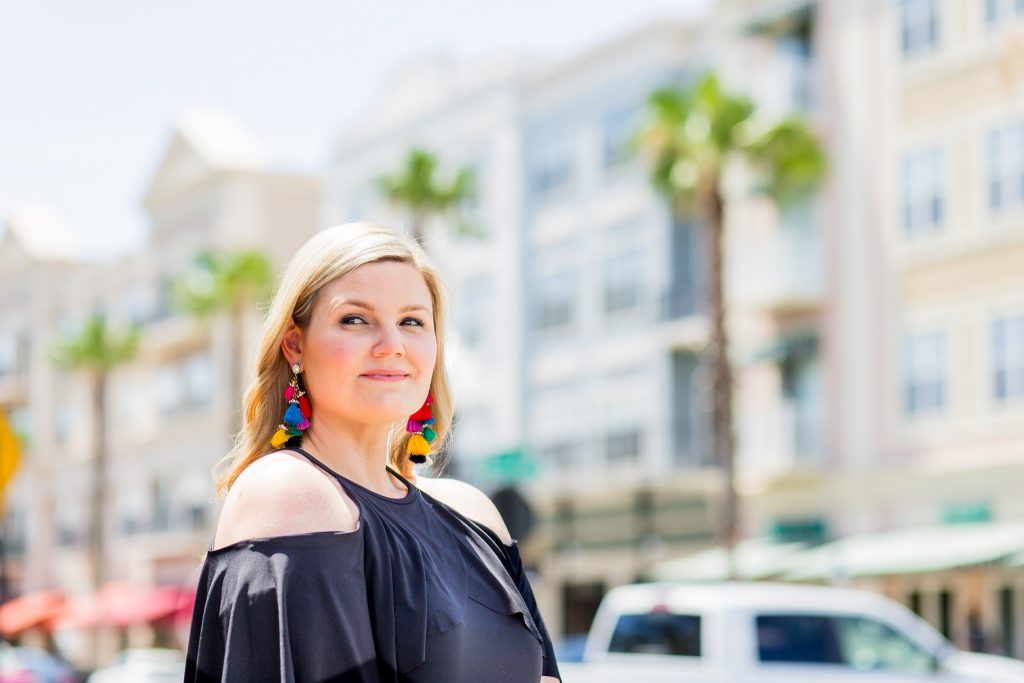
[658, 633]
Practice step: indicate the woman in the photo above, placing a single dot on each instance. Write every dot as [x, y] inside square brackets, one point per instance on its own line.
[332, 560]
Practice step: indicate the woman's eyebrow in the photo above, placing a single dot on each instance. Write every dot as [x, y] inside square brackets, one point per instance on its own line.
[338, 303]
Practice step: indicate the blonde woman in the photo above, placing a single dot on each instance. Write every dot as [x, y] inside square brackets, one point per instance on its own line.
[332, 560]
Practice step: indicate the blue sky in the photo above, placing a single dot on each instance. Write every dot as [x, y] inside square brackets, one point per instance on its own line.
[89, 90]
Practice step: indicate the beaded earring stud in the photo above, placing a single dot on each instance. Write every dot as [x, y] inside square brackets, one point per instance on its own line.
[296, 415]
[420, 425]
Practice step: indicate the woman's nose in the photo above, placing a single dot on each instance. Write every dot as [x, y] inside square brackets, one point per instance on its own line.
[389, 343]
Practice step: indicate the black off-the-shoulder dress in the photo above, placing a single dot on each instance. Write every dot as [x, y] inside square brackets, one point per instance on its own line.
[417, 593]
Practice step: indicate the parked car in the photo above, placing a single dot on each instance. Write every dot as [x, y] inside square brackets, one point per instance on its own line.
[12, 670]
[47, 667]
[771, 633]
[142, 665]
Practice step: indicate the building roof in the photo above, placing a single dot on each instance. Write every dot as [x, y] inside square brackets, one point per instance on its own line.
[221, 139]
[42, 232]
[204, 142]
[427, 85]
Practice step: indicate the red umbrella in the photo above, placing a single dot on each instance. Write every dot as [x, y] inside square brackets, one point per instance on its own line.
[123, 604]
[31, 609]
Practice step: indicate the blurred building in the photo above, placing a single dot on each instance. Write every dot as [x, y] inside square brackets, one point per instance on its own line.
[898, 354]
[875, 325]
[170, 415]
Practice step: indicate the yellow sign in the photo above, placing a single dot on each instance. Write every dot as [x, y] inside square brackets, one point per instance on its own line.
[10, 453]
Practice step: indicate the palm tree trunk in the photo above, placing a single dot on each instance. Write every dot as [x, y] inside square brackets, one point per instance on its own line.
[235, 369]
[97, 545]
[99, 472]
[712, 209]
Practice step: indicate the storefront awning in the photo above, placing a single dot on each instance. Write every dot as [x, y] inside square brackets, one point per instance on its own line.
[124, 604]
[903, 551]
[912, 551]
[31, 609]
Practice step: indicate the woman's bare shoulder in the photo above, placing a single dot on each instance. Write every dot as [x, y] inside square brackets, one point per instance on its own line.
[468, 500]
[281, 494]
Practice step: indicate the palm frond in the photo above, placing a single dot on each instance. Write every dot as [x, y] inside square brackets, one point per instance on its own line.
[95, 346]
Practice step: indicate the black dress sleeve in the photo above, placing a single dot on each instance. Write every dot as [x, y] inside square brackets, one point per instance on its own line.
[518, 574]
[286, 609]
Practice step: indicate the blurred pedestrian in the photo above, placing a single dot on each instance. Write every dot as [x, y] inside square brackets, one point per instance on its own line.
[332, 559]
[975, 633]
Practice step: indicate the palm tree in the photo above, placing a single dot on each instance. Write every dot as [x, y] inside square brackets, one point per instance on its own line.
[689, 136]
[96, 350]
[415, 187]
[230, 282]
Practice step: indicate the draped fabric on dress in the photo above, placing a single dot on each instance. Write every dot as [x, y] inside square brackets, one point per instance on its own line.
[418, 592]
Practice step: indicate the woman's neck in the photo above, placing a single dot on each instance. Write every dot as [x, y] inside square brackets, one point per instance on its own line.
[359, 454]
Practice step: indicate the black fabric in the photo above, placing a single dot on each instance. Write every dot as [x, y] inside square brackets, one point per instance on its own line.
[417, 593]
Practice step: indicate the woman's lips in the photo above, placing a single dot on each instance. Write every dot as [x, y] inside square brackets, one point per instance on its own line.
[383, 377]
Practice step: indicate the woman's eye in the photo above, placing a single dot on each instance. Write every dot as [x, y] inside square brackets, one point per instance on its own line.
[359, 320]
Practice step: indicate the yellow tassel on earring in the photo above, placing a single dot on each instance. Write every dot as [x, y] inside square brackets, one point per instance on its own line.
[280, 438]
[417, 445]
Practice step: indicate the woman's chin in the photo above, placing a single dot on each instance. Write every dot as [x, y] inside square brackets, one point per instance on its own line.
[386, 411]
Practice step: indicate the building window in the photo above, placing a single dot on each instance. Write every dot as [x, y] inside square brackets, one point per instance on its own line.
[619, 128]
[560, 456]
[476, 302]
[551, 167]
[168, 389]
[686, 291]
[160, 505]
[556, 301]
[8, 355]
[20, 419]
[623, 447]
[164, 306]
[72, 524]
[185, 384]
[919, 26]
[1006, 167]
[64, 422]
[1001, 10]
[925, 378]
[1008, 358]
[923, 193]
[622, 282]
[139, 304]
[197, 372]
[470, 206]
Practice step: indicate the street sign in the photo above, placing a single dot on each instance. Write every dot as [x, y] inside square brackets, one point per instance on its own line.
[10, 454]
[513, 465]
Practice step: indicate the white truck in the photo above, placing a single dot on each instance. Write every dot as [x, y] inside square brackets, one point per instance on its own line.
[770, 633]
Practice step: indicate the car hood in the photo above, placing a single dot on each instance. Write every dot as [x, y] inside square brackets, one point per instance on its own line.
[985, 668]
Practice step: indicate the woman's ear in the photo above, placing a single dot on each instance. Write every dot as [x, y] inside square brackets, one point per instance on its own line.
[291, 343]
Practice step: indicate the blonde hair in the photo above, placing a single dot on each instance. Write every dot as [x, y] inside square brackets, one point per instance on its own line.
[327, 256]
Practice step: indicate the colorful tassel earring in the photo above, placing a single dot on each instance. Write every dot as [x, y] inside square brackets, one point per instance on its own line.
[296, 415]
[420, 426]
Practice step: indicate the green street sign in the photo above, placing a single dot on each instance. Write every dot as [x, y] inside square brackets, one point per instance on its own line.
[513, 465]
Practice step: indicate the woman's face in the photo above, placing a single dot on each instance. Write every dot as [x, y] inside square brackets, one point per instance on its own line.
[368, 352]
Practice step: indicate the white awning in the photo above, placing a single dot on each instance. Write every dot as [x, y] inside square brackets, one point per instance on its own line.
[901, 551]
[912, 551]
